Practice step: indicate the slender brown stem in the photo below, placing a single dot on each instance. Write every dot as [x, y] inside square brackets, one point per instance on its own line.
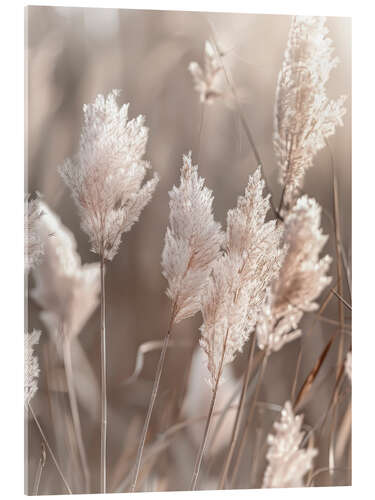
[236, 427]
[344, 432]
[67, 348]
[198, 461]
[103, 364]
[341, 312]
[41, 464]
[249, 418]
[348, 306]
[154, 393]
[49, 449]
[165, 439]
[299, 358]
[231, 400]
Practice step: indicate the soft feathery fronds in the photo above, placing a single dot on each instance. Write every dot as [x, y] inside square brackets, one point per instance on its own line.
[206, 80]
[31, 368]
[287, 461]
[348, 365]
[106, 174]
[237, 285]
[302, 277]
[192, 241]
[304, 116]
[33, 244]
[66, 290]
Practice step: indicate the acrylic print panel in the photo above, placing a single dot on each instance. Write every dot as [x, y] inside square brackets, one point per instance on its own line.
[188, 251]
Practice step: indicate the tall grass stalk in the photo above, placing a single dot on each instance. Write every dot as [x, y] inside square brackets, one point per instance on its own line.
[198, 462]
[299, 358]
[67, 350]
[341, 314]
[29, 407]
[249, 418]
[155, 388]
[236, 427]
[41, 464]
[103, 364]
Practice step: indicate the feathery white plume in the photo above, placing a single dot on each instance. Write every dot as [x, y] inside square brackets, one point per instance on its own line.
[33, 244]
[106, 174]
[206, 80]
[66, 290]
[287, 461]
[237, 286]
[302, 277]
[31, 368]
[348, 365]
[192, 241]
[304, 116]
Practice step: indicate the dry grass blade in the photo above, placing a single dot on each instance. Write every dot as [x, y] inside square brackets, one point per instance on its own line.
[164, 441]
[41, 464]
[299, 359]
[236, 427]
[154, 393]
[145, 348]
[67, 349]
[326, 469]
[103, 377]
[198, 462]
[237, 463]
[333, 407]
[306, 386]
[29, 407]
[348, 306]
[344, 432]
[341, 313]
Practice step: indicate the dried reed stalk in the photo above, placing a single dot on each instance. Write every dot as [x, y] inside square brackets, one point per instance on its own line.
[236, 289]
[236, 426]
[29, 407]
[67, 354]
[192, 243]
[105, 178]
[241, 449]
[41, 464]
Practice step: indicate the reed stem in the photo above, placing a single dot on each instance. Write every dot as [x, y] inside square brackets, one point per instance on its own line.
[67, 348]
[249, 418]
[41, 464]
[154, 393]
[198, 461]
[103, 363]
[236, 427]
[49, 449]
